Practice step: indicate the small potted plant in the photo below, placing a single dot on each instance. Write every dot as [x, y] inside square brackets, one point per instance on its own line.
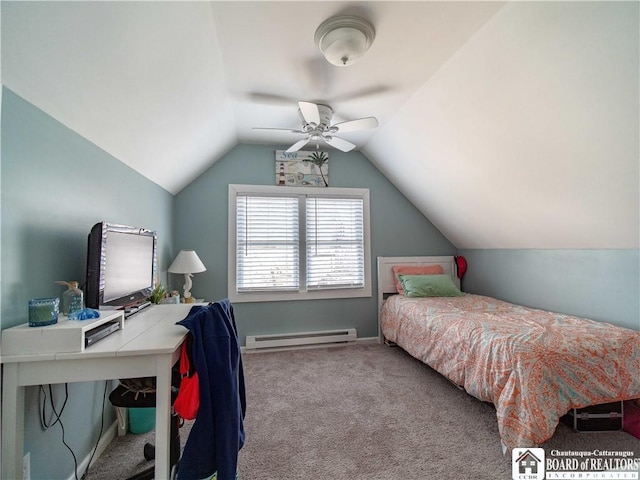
[159, 292]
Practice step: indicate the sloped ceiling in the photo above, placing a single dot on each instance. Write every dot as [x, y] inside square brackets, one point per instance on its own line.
[528, 136]
[508, 125]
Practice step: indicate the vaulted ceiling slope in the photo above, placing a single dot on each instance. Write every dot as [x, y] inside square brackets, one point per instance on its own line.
[508, 125]
[528, 136]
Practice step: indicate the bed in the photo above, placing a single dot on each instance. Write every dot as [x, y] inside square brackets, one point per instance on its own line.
[533, 365]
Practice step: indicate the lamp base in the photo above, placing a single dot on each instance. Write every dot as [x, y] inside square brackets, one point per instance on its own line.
[189, 300]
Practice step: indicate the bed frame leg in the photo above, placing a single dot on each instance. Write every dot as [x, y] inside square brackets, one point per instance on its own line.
[389, 343]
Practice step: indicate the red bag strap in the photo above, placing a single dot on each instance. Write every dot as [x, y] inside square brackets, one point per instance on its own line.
[186, 366]
[184, 360]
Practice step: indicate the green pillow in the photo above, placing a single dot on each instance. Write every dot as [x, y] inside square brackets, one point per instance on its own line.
[429, 286]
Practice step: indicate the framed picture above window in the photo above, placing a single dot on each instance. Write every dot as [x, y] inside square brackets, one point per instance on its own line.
[302, 168]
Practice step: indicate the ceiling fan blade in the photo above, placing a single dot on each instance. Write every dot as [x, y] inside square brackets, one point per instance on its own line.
[298, 145]
[365, 92]
[288, 130]
[269, 99]
[352, 125]
[339, 143]
[310, 112]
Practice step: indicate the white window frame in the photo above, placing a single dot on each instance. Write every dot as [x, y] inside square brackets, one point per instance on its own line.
[235, 296]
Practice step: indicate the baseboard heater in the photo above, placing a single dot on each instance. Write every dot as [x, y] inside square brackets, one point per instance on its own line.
[301, 339]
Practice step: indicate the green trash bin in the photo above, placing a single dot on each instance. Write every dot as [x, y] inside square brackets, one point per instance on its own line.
[142, 420]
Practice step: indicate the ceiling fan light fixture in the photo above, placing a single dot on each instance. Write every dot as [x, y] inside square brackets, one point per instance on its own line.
[344, 39]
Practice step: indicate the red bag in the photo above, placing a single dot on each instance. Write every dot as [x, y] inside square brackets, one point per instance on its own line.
[188, 400]
[461, 263]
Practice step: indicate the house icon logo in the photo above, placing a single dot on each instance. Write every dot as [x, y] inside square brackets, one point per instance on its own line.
[527, 463]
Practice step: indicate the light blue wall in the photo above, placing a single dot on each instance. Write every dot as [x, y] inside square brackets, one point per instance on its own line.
[602, 285]
[55, 186]
[397, 228]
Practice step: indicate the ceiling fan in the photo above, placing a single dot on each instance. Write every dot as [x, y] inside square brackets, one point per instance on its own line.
[316, 125]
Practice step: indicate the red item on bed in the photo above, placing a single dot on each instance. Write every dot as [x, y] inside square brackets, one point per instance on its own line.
[461, 264]
[631, 422]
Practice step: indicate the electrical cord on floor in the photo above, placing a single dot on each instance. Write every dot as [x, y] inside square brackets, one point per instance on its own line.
[104, 398]
[46, 425]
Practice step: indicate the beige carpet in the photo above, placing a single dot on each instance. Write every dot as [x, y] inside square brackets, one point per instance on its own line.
[363, 412]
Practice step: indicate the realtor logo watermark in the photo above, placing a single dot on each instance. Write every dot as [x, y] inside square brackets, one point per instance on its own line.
[528, 463]
[535, 464]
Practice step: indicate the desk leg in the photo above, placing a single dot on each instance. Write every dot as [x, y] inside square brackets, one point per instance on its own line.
[163, 416]
[12, 422]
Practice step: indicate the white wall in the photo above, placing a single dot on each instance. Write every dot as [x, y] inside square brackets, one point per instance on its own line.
[528, 137]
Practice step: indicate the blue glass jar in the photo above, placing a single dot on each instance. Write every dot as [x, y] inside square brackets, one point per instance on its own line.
[43, 311]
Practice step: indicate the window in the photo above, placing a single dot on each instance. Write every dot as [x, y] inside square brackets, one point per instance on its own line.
[267, 243]
[296, 243]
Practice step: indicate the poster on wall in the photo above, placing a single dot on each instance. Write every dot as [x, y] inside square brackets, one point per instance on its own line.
[302, 168]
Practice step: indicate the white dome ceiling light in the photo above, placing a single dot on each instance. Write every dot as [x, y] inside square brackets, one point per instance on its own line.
[344, 39]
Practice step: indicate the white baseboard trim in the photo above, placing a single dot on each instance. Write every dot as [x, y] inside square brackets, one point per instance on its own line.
[103, 443]
[359, 341]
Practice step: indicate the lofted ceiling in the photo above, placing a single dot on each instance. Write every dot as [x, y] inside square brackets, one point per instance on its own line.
[509, 125]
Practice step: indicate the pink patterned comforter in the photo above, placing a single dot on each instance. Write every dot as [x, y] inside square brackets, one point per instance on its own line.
[533, 365]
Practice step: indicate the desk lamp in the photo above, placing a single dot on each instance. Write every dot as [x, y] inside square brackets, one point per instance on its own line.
[187, 262]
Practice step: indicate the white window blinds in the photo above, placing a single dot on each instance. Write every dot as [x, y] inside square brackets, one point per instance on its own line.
[334, 242]
[267, 243]
[298, 243]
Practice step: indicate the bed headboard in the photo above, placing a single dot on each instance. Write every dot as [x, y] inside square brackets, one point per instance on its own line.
[386, 280]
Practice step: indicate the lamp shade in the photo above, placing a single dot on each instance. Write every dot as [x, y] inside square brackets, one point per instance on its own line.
[344, 39]
[187, 261]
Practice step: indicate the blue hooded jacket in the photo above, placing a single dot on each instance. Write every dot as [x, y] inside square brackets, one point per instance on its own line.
[217, 434]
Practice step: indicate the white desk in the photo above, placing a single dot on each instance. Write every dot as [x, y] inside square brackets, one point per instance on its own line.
[149, 345]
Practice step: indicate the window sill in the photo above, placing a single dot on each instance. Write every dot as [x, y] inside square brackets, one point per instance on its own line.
[295, 296]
